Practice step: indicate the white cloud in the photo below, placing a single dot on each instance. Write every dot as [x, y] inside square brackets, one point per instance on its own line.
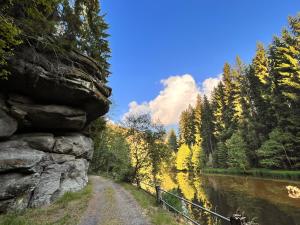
[209, 84]
[178, 92]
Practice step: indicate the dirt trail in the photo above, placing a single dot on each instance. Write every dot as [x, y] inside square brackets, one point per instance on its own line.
[111, 204]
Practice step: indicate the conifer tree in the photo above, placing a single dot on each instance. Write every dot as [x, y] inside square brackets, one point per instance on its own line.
[230, 90]
[197, 120]
[219, 107]
[187, 127]
[207, 127]
[237, 152]
[172, 140]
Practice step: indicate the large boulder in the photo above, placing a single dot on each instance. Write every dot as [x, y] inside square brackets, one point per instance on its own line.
[58, 179]
[47, 117]
[46, 103]
[21, 159]
[74, 144]
[73, 80]
[8, 125]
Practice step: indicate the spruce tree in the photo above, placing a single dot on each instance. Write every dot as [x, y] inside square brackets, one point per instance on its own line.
[219, 108]
[207, 127]
[172, 140]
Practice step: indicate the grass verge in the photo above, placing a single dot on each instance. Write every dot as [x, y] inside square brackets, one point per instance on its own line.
[265, 173]
[157, 215]
[67, 210]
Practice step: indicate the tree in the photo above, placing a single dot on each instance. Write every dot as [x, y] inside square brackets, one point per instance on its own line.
[230, 90]
[219, 107]
[197, 120]
[172, 140]
[183, 157]
[56, 26]
[197, 157]
[111, 150]
[278, 152]
[237, 149]
[187, 127]
[220, 156]
[207, 128]
[146, 145]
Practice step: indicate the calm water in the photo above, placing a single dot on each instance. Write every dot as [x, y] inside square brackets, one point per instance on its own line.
[271, 202]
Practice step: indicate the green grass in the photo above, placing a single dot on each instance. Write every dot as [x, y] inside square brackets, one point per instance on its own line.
[157, 215]
[265, 173]
[67, 210]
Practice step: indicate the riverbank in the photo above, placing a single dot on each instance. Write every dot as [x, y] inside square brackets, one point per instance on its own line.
[264, 173]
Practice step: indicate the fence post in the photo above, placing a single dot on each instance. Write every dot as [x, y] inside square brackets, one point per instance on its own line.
[158, 194]
[237, 219]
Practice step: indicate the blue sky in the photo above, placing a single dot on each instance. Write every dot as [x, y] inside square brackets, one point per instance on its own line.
[158, 39]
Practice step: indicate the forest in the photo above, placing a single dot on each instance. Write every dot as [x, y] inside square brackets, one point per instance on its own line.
[253, 116]
[251, 120]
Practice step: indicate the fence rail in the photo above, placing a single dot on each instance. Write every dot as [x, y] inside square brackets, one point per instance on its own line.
[235, 219]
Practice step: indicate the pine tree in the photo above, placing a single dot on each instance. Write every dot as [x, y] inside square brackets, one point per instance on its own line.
[197, 120]
[207, 128]
[187, 127]
[172, 140]
[219, 107]
[278, 152]
[230, 90]
[220, 155]
[237, 149]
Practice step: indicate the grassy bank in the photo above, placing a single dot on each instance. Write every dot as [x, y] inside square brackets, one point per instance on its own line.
[265, 173]
[65, 211]
[157, 215]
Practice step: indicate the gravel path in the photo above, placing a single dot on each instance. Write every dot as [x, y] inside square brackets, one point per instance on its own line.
[111, 204]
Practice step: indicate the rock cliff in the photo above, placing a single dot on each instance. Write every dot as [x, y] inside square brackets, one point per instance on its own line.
[45, 104]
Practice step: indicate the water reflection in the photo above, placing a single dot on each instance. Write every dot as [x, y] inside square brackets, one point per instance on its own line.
[293, 191]
[271, 202]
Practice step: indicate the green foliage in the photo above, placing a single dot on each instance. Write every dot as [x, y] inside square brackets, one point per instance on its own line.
[153, 211]
[147, 147]
[267, 173]
[172, 200]
[55, 25]
[111, 154]
[9, 38]
[278, 151]
[187, 126]
[207, 128]
[253, 116]
[220, 156]
[172, 140]
[237, 149]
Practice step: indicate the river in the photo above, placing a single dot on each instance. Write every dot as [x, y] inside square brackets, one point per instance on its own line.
[268, 202]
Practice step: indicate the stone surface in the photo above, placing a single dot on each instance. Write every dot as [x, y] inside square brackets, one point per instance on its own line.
[21, 159]
[45, 98]
[47, 116]
[40, 141]
[12, 184]
[8, 125]
[74, 82]
[74, 144]
[58, 179]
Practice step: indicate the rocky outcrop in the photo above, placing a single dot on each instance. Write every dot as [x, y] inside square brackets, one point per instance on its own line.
[45, 105]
